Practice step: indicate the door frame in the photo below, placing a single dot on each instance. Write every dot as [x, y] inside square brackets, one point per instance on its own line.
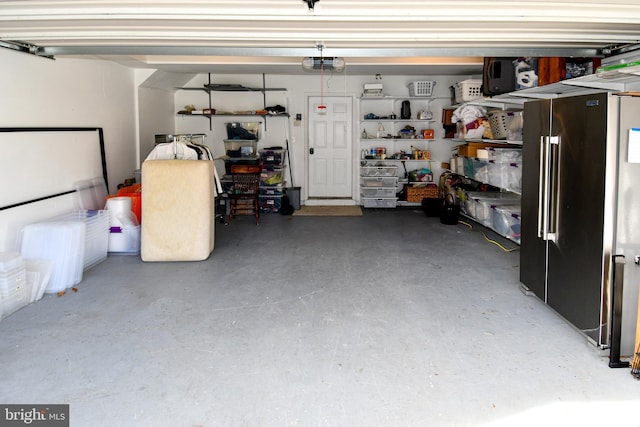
[352, 96]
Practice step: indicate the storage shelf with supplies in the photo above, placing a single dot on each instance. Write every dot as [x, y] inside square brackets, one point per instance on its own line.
[211, 112]
[489, 206]
[396, 131]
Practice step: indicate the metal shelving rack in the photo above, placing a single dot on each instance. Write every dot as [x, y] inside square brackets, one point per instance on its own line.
[212, 87]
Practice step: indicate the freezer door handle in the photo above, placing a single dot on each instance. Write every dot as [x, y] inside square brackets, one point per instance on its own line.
[544, 188]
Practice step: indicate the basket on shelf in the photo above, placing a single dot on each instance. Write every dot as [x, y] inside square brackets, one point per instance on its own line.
[505, 124]
[468, 90]
[415, 193]
[421, 88]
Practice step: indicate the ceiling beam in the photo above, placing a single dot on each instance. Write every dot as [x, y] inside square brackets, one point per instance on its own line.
[404, 52]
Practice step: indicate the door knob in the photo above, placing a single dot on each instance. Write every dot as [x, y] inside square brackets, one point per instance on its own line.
[311, 150]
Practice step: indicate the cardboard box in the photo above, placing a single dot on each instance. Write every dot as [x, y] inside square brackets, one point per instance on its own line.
[470, 149]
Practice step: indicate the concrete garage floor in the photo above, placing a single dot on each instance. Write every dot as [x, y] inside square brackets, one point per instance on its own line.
[389, 319]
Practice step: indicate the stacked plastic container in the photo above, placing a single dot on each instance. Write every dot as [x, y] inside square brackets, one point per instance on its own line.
[96, 234]
[507, 221]
[61, 242]
[272, 179]
[124, 230]
[505, 168]
[500, 167]
[14, 291]
[479, 204]
[378, 184]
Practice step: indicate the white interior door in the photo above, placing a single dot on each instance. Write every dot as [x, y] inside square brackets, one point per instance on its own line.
[330, 146]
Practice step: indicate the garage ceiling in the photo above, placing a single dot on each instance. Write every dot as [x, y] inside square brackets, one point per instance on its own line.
[390, 37]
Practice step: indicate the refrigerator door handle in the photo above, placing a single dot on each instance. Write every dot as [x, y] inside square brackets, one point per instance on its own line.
[541, 187]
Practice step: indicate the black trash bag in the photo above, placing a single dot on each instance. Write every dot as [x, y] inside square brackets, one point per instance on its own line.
[450, 213]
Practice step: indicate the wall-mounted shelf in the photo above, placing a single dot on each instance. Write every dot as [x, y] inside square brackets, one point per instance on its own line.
[210, 87]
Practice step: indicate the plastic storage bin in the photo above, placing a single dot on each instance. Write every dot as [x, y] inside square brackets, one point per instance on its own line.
[125, 240]
[276, 190]
[480, 170]
[96, 234]
[379, 202]
[273, 156]
[61, 242]
[507, 221]
[378, 192]
[378, 181]
[243, 130]
[237, 148]
[477, 204]
[504, 154]
[270, 204]
[272, 176]
[378, 170]
[484, 208]
[505, 175]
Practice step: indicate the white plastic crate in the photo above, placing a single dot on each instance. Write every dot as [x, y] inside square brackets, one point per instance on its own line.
[378, 181]
[468, 90]
[378, 192]
[421, 88]
[379, 202]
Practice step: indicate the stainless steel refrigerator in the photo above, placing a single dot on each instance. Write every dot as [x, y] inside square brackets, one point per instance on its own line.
[581, 213]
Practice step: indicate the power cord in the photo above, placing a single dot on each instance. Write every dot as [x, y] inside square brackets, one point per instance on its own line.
[490, 240]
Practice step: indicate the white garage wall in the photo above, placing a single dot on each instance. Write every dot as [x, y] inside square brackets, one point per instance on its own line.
[157, 115]
[38, 92]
